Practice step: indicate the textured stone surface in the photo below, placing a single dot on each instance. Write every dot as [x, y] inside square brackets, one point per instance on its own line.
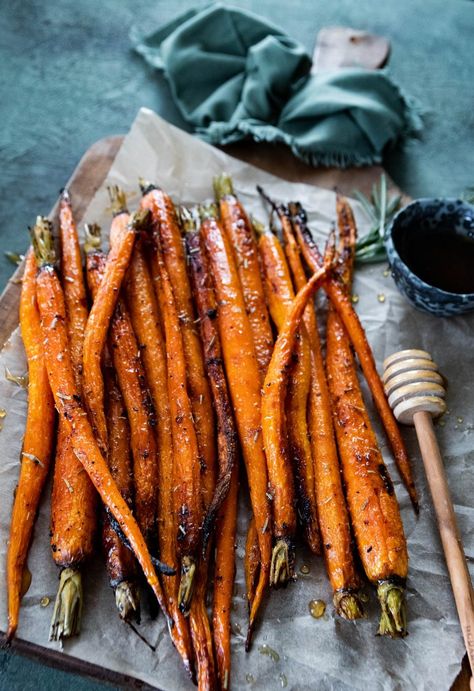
[68, 77]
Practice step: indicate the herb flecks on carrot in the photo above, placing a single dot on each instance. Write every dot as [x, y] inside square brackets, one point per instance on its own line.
[37, 444]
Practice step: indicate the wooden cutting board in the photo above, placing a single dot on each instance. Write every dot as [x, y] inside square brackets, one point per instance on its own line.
[337, 47]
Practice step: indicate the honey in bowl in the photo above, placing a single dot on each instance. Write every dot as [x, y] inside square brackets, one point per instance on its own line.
[441, 257]
[430, 249]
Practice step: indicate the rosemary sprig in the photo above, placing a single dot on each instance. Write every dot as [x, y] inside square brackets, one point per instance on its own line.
[380, 208]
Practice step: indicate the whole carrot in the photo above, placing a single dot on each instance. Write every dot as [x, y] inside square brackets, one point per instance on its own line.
[225, 496]
[280, 295]
[167, 228]
[68, 402]
[331, 503]
[37, 444]
[73, 498]
[244, 245]
[187, 497]
[100, 315]
[372, 502]
[121, 565]
[355, 331]
[243, 378]
[144, 313]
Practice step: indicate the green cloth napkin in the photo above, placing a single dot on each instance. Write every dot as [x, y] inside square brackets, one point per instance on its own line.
[234, 75]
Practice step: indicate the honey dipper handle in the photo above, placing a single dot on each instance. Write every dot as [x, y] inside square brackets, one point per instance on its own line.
[448, 529]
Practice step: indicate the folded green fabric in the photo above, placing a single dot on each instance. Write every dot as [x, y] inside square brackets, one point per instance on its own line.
[234, 75]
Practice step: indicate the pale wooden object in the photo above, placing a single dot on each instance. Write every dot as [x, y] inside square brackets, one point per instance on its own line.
[416, 397]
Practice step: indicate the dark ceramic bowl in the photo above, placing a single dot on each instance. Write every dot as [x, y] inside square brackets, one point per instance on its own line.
[433, 222]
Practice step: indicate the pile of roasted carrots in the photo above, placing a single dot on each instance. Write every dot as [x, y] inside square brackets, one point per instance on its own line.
[192, 343]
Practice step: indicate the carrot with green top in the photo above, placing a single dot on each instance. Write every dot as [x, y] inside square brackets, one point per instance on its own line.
[37, 444]
[243, 378]
[342, 303]
[280, 295]
[68, 402]
[370, 494]
[73, 497]
[224, 500]
[331, 503]
[144, 313]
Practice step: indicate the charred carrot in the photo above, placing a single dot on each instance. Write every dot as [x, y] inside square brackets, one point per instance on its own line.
[224, 500]
[73, 498]
[372, 502]
[280, 295]
[244, 244]
[68, 401]
[37, 444]
[206, 304]
[355, 331]
[144, 313]
[331, 503]
[100, 315]
[167, 229]
[243, 378]
[186, 460]
[121, 565]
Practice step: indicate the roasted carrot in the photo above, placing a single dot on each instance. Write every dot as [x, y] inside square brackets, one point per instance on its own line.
[68, 402]
[372, 502]
[143, 308]
[355, 331]
[73, 498]
[168, 231]
[100, 315]
[225, 496]
[331, 503]
[243, 378]
[37, 444]
[187, 498]
[280, 295]
[244, 244]
[121, 565]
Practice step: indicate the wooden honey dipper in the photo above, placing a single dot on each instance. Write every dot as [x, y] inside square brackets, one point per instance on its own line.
[415, 391]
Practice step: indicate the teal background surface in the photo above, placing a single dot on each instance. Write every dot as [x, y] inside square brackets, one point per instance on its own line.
[69, 77]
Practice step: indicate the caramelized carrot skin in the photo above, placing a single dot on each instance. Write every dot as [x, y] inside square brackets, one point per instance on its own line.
[187, 468]
[280, 294]
[372, 503]
[350, 320]
[37, 442]
[224, 574]
[73, 498]
[67, 401]
[244, 384]
[331, 503]
[169, 233]
[241, 236]
[98, 322]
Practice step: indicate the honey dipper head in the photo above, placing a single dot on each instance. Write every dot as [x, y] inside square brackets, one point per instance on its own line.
[412, 383]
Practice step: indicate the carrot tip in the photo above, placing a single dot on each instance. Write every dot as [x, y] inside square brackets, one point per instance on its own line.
[223, 186]
[42, 239]
[186, 585]
[118, 200]
[67, 614]
[92, 237]
[348, 605]
[146, 186]
[281, 567]
[393, 620]
[127, 601]
[248, 640]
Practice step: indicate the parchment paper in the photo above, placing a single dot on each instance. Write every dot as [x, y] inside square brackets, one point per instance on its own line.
[328, 653]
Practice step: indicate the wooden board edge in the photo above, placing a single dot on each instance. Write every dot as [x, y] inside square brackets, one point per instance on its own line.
[84, 182]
